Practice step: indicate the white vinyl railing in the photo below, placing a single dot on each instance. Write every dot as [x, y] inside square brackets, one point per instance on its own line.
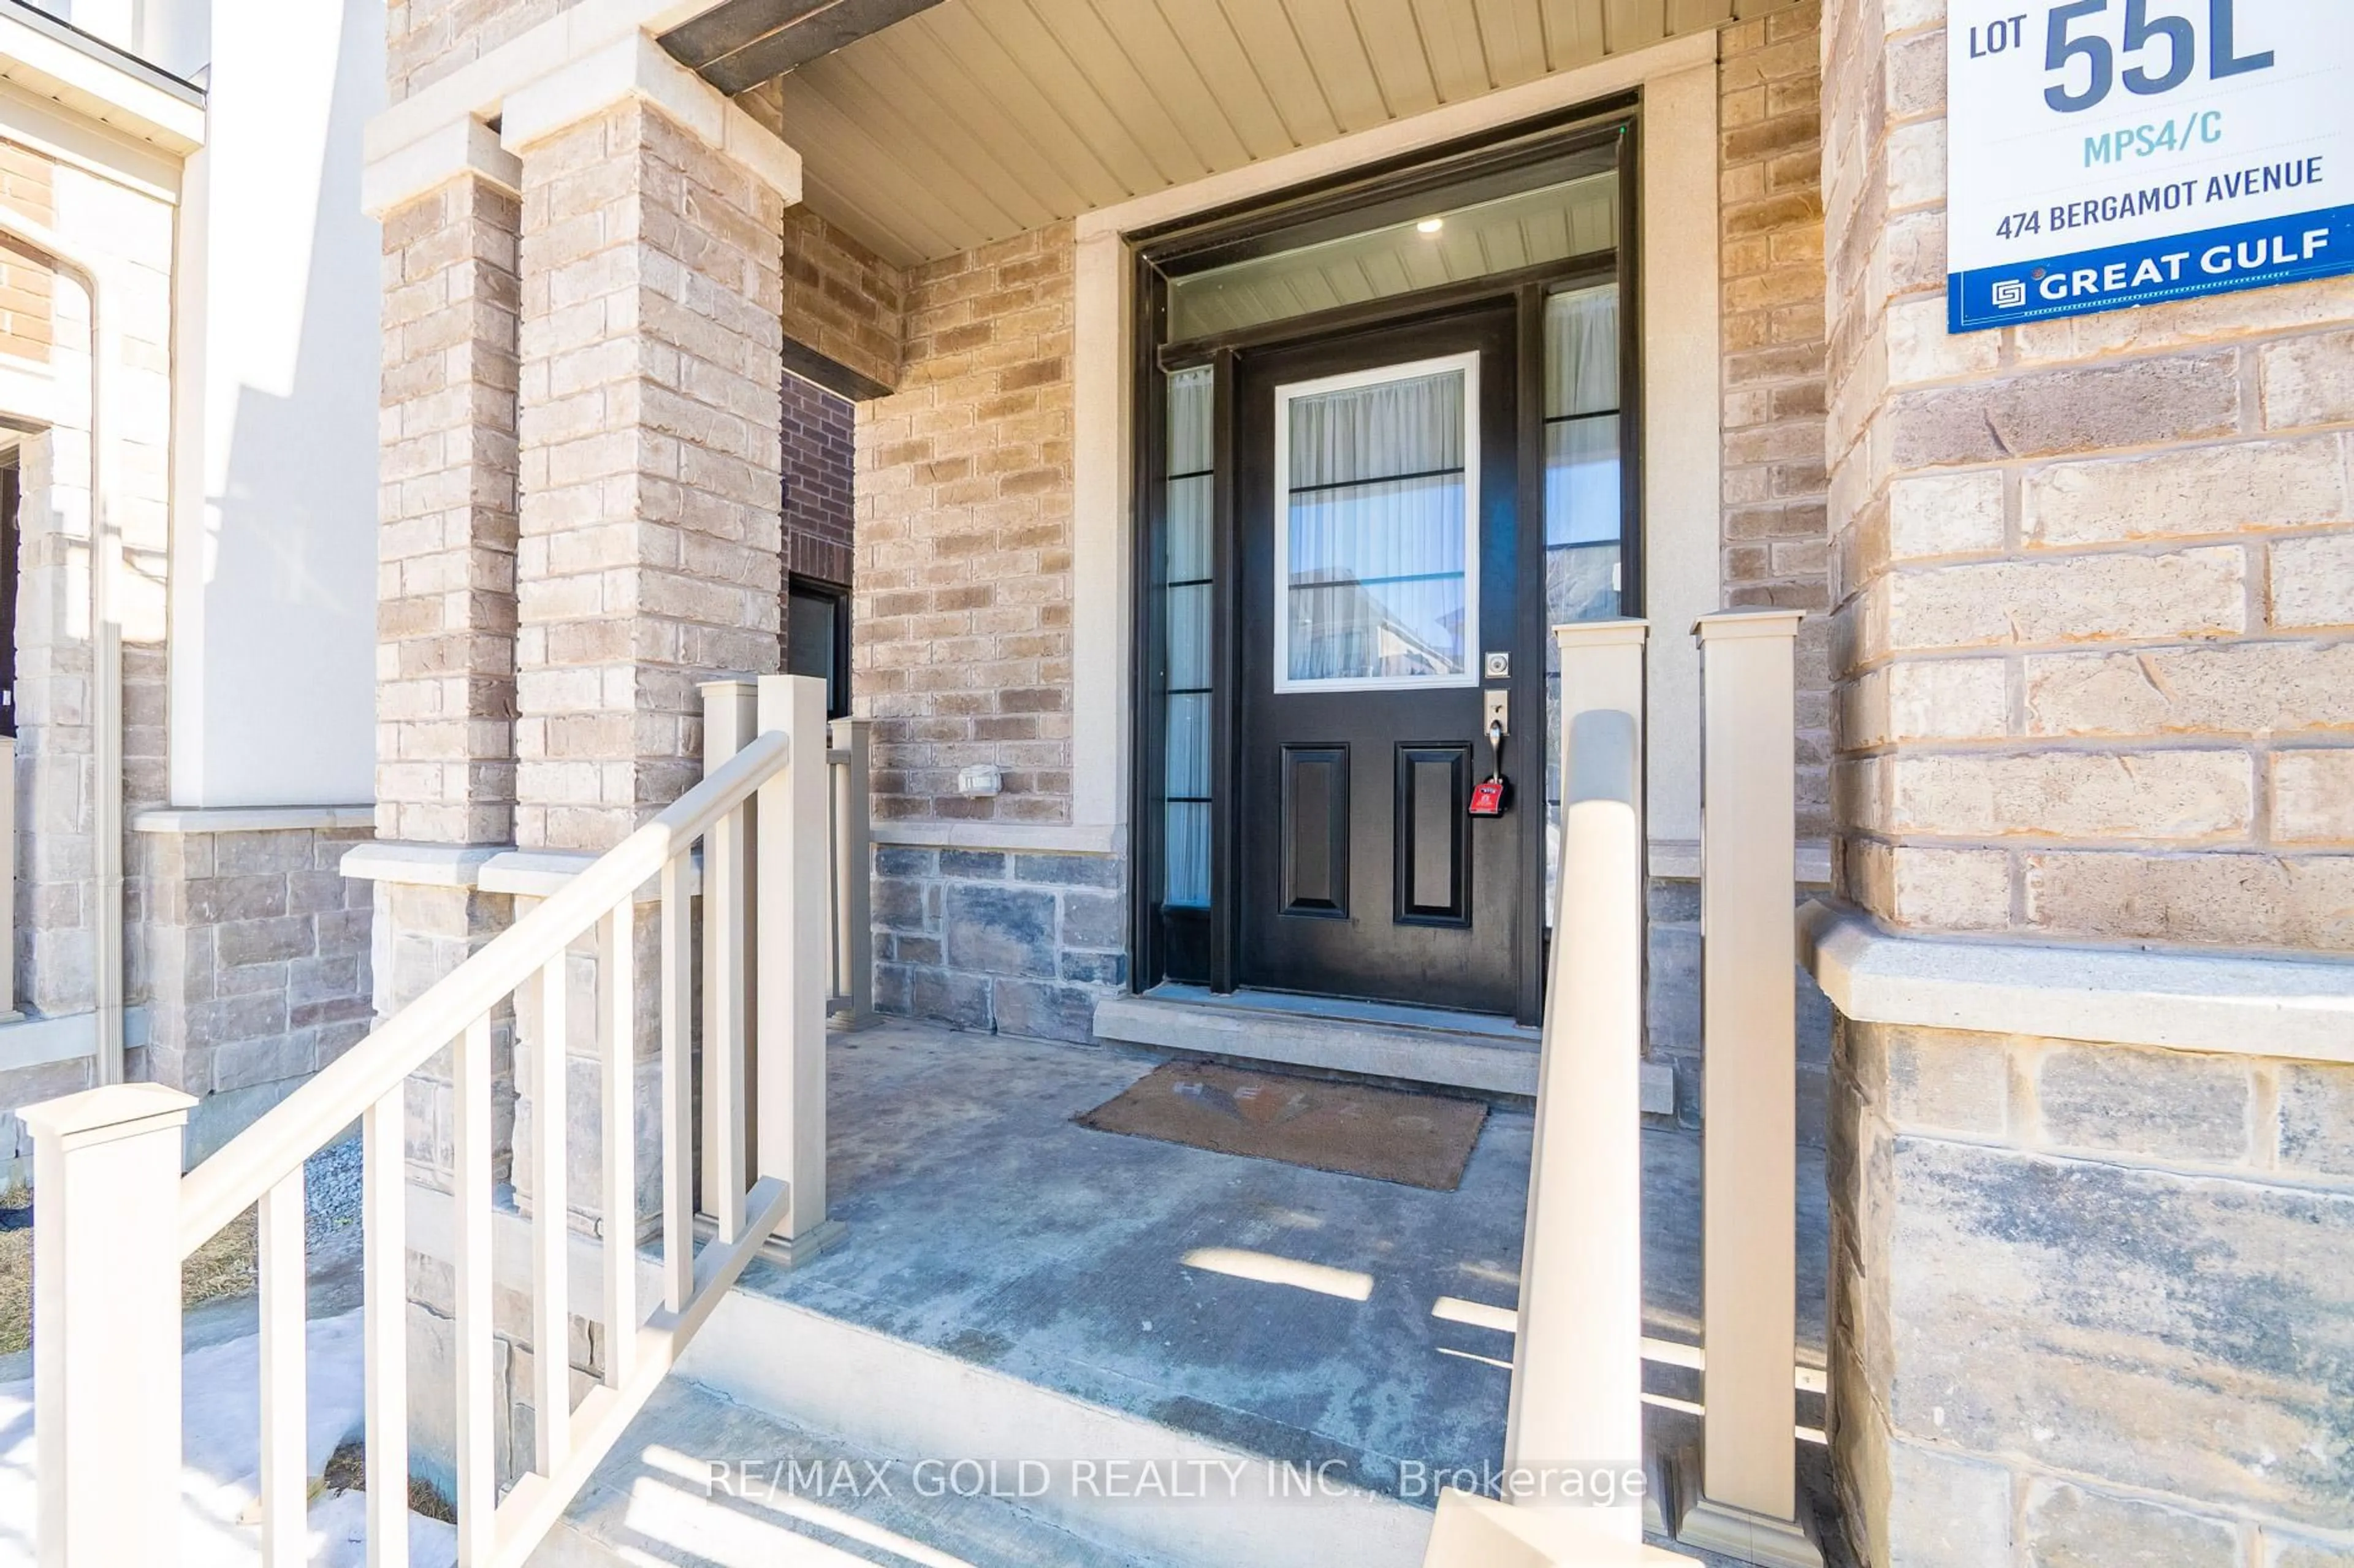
[115, 1215]
[1577, 1385]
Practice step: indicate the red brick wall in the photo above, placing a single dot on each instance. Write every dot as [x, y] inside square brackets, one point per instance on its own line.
[819, 459]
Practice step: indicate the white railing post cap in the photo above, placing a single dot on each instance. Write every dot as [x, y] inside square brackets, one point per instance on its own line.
[726, 684]
[1601, 633]
[1759, 621]
[100, 1115]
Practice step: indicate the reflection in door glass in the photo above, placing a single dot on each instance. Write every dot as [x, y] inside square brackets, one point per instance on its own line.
[1584, 510]
[1375, 569]
[1187, 576]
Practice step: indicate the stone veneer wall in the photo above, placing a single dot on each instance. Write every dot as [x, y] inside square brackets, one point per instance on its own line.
[2092, 1307]
[2094, 585]
[1022, 943]
[963, 615]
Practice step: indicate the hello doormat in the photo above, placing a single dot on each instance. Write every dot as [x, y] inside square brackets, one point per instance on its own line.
[1419, 1140]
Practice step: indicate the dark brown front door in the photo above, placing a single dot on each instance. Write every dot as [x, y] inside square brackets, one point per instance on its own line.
[1376, 500]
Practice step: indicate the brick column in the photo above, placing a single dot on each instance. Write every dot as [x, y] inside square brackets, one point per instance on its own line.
[2095, 597]
[446, 609]
[649, 559]
[649, 555]
[445, 616]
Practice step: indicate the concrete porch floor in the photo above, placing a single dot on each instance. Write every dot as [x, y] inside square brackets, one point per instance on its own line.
[984, 1224]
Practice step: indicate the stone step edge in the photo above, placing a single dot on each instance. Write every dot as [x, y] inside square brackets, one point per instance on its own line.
[911, 1401]
[1408, 1053]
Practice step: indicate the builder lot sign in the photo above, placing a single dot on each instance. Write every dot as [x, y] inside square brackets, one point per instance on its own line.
[2102, 154]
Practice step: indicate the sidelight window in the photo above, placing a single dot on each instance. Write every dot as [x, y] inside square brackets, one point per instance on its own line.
[1189, 583]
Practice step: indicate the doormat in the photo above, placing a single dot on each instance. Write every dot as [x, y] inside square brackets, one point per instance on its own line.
[1418, 1140]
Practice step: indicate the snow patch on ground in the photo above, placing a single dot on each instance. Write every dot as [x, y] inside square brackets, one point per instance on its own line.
[220, 1415]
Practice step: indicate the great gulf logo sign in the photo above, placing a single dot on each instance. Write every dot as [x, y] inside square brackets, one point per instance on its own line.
[2102, 153]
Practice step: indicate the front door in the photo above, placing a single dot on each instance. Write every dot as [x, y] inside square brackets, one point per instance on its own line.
[1376, 503]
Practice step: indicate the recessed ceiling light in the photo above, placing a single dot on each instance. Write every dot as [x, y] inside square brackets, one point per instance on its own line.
[1430, 226]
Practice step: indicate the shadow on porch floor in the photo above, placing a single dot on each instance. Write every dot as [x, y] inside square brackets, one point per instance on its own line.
[984, 1224]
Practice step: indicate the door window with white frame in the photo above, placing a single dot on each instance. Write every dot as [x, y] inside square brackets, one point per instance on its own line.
[1377, 553]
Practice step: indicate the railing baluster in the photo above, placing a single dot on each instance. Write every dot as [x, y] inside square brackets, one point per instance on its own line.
[677, 1087]
[727, 721]
[851, 951]
[618, 1060]
[285, 1478]
[477, 1458]
[384, 1326]
[550, 1232]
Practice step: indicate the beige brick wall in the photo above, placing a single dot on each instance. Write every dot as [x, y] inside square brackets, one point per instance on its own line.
[445, 589]
[649, 558]
[963, 614]
[1774, 547]
[27, 311]
[841, 299]
[425, 40]
[2096, 578]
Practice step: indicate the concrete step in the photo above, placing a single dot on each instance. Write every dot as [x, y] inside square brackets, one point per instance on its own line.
[704, 1481]
[1381, 1040]
[1139, 1490]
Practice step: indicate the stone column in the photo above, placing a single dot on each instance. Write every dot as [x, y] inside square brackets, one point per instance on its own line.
[2094, 598]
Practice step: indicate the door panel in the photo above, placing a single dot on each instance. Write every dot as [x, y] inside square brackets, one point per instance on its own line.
[1434, 846]
[1316, 832]
[1376, 502]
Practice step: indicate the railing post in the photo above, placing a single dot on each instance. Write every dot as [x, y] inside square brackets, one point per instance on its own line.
[106, 1323]
[851, 947]
[1748, 1506]
[729, 712]
[1577, 1370]
[790, 917]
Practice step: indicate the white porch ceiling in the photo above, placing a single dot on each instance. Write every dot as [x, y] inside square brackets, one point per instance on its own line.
[978, 120]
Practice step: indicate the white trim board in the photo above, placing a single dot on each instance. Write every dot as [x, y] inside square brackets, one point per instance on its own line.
[1038, 838]
[251, 819]
[2297, 1009]
[38, 1042]
[1682, 453]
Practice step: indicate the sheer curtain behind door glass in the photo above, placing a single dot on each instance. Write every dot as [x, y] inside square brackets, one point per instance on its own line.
[1377, 584]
